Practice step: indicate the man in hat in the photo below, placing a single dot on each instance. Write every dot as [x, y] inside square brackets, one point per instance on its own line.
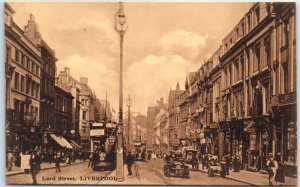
[272, 169]
[129, 162]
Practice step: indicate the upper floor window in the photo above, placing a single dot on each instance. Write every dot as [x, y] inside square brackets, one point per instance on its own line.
[249, 22]
[17, 56]
[285, 77]
[257, 14]
[243, 28]
[286, 33]
[257, 57]
[84, 116]
[8, 52]
[16, 80]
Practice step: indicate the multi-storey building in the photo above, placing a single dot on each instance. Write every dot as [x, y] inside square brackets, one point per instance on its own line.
[247, 100]
[151, 113]
[87, 109]
[63, 112]
[23, 70]
[283, 99]
[173, 117]
[48, 70]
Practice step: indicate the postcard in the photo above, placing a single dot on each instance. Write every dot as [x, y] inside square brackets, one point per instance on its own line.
[150, 93]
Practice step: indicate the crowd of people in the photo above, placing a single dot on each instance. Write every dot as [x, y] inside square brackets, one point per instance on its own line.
[38, 156]
[275, 169]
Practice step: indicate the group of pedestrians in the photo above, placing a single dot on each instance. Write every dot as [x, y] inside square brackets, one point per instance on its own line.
[37, 156]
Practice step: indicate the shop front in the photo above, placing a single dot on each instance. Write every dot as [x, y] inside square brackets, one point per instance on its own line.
[224, 139]
[260, 132]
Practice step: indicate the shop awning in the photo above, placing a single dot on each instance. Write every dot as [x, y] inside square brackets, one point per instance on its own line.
[61, 141]
[75, 145]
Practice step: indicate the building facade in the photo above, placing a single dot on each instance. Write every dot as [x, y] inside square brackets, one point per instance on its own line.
[173, 117]
[23, 73]
[63, 112]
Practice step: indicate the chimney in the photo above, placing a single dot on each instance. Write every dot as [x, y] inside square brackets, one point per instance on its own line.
[31, 31]
[84, 80]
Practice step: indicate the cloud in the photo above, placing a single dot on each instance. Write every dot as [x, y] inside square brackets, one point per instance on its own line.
[185, 43]
[152, 78]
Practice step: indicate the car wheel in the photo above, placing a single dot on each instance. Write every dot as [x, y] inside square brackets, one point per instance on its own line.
[167, 171]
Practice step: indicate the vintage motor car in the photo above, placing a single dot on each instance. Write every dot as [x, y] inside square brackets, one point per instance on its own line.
[216, 168]
[176, 168]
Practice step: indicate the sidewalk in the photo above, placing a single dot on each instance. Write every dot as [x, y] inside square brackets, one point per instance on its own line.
[17, 170]
[252, 178]
[128, 180]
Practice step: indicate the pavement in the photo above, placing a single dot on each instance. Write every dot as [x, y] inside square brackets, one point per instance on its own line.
[246, 177]
[252, 178]
[44, 166]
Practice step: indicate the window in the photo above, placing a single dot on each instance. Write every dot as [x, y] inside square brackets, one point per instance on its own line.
[16, 80]
[241, 73]
[28, 86]
[236, 70]
[248, 63]
[8, 51]
[84, 115]
[267, 53]
[257, 57]
[32, 88]
[17, 56]
[237, 33]
[230, 74]
[23, 60]
[37, 90]
[257, 14]
[249, 22]
[243, 29]
[33, 67]
[27, 63]
[37, 70]
[286, 33]
[22, 83]
[285, 76]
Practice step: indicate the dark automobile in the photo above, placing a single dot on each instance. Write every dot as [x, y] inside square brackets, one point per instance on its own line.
[176, 168]
[104, 161]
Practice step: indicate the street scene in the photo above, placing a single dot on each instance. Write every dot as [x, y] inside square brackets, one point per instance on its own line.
[124, 93]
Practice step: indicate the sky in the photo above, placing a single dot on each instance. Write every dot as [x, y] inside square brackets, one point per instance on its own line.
[163, 42]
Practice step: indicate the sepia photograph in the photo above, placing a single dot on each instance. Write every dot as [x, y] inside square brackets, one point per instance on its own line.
[150, 93]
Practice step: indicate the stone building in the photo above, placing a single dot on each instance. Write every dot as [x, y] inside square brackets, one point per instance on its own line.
[23, 74]
[173, 117]
[63, 112]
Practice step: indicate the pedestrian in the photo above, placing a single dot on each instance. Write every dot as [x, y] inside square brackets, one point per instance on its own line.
[129, 162]
[91, 160]
[35, 166]
[10, 160]
[57, 160]
[272, 169]
[279, 177]
[227, 160]
[194, 162]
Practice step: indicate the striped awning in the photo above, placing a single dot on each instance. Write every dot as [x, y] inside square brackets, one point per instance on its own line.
[75, 145]
[61, 141]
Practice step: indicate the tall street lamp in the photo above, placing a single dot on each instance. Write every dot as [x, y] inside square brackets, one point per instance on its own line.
[129, 104]
[121, 27]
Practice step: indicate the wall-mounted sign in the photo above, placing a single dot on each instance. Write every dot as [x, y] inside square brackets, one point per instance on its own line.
[97, 132]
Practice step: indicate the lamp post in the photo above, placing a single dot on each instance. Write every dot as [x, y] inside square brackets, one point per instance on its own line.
[129, 104]
[121, 27]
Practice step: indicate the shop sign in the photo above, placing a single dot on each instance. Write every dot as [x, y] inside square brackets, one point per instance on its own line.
[96, 132]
